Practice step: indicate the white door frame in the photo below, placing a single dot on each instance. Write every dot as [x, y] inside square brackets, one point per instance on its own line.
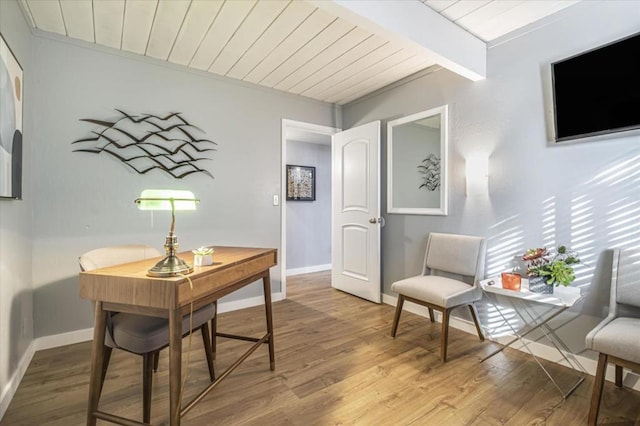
[307, 127]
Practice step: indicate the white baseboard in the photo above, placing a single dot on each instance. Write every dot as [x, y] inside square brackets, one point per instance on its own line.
[39, 344]
[12, 386]
[63, 339]
[549, 353]
[308, 269]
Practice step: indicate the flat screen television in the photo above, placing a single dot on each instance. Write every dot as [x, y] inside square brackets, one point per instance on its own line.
[598, 92]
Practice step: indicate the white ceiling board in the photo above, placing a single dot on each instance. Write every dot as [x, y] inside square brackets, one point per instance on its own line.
[78, 18]
[229, 18]
[405, 21]
[166, 25]
[328, 50]
[491, 19]
[47, 15]
[292, 17]
[488, 12]
[383, 79]
[338, 90]
[108, 19]
[260, 18]
[303, 34]
[199, 19]
[459, 9]
[354, 68]
[440, 5]
[352, 38]
[347, 58]
[518, 17]
[138, 20]
[299, 65]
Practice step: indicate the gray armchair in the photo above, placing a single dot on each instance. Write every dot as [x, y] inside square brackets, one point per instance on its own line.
[138, 334]
[616, 337]
[453, 267]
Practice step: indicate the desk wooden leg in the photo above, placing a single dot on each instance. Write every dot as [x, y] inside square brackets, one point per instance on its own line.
[266, 280]
[214, 331]
[175, 365]
[97, 362]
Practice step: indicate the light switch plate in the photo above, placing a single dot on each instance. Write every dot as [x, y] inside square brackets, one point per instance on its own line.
[276, 200]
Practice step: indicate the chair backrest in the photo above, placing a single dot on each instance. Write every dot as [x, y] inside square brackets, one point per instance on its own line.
[455, 254]
[114, 255]
[625, 279]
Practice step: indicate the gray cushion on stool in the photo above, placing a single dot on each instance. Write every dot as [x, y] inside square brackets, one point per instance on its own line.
[141, 334]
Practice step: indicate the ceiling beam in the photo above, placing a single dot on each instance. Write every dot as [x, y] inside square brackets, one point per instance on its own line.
[419, 26]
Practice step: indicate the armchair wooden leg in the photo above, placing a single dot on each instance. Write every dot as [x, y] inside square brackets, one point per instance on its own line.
[431, 317]
[147, 379]
[474, 315]
[207, 350]
[396, 317]
[445, 335]
[156, 360]
[598, 384]
[618, 376]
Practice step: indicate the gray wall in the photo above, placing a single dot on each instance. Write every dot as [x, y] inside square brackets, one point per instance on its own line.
[16, 308]
[83, 201]
[309, 222]
[584, 195]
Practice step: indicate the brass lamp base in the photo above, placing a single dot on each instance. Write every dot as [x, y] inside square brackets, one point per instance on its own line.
[170, 266]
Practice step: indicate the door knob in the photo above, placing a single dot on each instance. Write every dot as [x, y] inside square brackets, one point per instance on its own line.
[373, 220]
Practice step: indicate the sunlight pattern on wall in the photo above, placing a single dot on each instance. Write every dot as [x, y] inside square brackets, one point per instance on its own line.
[549, 222]
[601, 213]
[582, 237]
[504, 241]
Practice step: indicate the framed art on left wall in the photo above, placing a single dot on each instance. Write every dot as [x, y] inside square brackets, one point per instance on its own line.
[11, 91]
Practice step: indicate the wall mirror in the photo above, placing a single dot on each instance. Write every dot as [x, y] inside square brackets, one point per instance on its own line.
[417, 163]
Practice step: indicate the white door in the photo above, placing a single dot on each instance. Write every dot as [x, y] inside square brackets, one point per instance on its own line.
[356, 219]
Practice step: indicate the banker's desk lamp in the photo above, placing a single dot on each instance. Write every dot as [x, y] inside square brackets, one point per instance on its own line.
[168, 199]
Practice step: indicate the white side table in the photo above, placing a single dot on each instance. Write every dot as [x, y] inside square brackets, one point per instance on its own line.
[523, 302]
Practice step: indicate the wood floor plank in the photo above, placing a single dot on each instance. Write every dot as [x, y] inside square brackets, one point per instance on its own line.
[335, 365]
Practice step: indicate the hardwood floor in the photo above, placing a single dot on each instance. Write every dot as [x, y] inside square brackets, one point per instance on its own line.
[335, 365]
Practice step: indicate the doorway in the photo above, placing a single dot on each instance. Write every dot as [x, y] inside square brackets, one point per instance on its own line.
[304, 240]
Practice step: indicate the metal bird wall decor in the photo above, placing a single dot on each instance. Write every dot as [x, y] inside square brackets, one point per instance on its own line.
[148, 142]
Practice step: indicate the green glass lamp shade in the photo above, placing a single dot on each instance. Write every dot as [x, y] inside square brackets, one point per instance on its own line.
[168, 199]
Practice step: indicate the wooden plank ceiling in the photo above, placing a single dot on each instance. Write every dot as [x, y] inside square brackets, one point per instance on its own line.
[288, 45]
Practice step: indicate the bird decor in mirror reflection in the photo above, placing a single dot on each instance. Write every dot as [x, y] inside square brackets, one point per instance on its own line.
[429, 169]
[147, 142]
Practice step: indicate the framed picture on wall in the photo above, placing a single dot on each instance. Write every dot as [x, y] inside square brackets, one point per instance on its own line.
[301, 183]
[10, 123]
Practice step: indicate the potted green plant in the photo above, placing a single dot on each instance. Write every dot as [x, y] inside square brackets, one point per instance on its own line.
[546, 269]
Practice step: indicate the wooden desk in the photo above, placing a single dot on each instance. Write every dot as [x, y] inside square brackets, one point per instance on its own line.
[127, 288]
